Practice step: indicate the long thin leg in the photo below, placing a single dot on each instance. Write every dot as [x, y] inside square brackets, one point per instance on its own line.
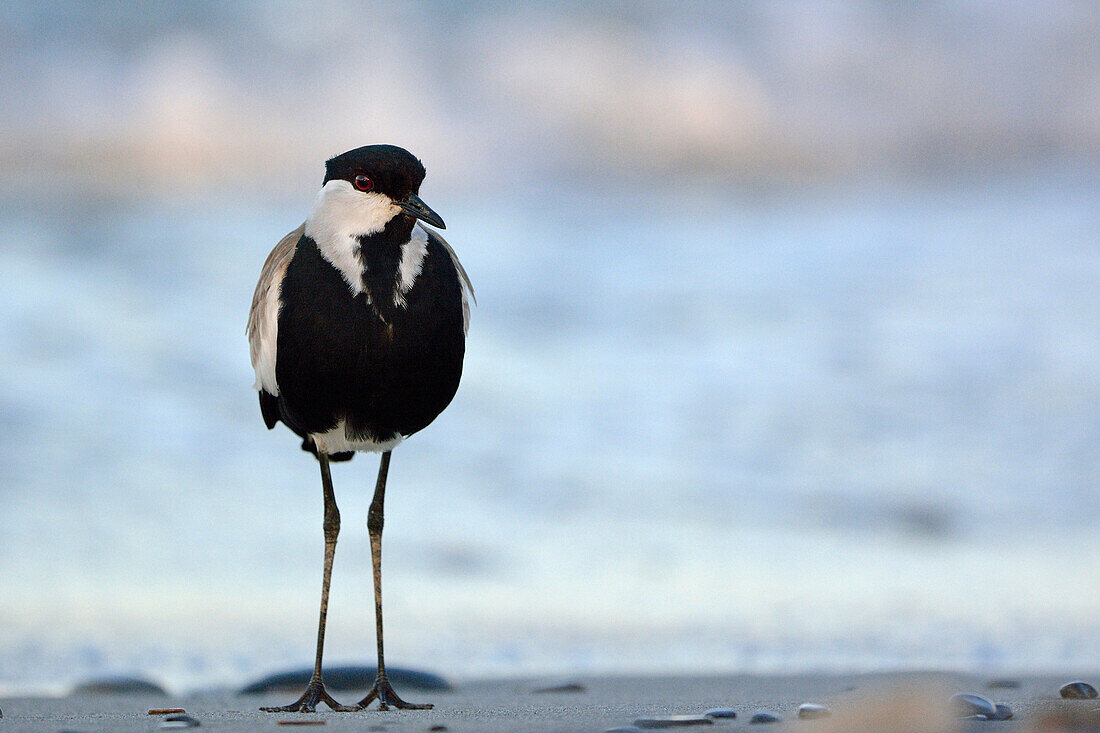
[315, 690]
[381, 690]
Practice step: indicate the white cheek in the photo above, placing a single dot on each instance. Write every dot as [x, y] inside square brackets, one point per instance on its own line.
[339, 216]
[339, 209]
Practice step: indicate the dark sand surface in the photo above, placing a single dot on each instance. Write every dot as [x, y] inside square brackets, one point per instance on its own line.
[604, 703]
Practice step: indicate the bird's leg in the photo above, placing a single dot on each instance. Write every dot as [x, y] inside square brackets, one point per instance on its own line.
[381, 690]
[315, 690]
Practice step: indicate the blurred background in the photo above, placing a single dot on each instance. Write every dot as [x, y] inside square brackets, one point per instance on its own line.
[786, 357]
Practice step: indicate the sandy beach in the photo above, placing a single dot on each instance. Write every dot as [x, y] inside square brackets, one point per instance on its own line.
[779, 380]
[910, 701]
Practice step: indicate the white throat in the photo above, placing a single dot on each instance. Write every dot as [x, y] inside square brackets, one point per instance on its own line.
[339, 216]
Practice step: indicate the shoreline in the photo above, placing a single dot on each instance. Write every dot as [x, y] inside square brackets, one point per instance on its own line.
[590, 703]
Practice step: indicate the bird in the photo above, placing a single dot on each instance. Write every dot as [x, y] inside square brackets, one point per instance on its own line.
[357, 335]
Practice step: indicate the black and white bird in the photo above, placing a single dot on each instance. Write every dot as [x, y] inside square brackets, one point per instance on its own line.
[357, 333]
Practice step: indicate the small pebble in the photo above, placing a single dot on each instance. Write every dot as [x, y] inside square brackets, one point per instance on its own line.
[1003, 684]
[966, 705]
[165, 711]
[764, 717]
[118, 686]
[178, 720]
[721, 713]
[438, 727]
[811, 711]
[1078, 691]
[1003, 712]
[673, 721]
[300, 722]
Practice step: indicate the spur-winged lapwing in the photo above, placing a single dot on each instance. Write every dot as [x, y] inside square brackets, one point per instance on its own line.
[357, 333]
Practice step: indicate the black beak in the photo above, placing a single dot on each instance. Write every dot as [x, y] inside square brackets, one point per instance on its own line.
[417, 209]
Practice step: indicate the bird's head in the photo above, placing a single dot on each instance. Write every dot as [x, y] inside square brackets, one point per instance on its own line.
[367, 188]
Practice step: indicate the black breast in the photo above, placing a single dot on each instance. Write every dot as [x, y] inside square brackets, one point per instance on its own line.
[387, 370]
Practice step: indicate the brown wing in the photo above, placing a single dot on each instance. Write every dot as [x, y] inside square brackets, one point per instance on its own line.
[263, 316]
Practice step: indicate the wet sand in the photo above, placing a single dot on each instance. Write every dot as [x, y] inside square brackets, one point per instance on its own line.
[899, 701]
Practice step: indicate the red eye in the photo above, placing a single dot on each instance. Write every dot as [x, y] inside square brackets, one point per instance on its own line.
[363, 183]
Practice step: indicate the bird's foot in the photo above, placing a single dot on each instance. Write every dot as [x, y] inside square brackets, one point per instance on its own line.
[307, 703]
[383, 692]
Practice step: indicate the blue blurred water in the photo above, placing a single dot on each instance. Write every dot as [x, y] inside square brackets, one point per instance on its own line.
[852, 429]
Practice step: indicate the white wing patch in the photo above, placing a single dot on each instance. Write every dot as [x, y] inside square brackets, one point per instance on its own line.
[263, 317]
[412, 261]
[463, 278]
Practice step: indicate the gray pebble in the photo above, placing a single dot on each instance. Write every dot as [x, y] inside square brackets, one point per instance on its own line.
[179, 720]
[1003, 712]
[1003, 684]
[564, 688]
[764, 717]
[118, 686]
[1078, 691]
[673, 721]
[721, 713]
[966, 705]
[812, 711]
